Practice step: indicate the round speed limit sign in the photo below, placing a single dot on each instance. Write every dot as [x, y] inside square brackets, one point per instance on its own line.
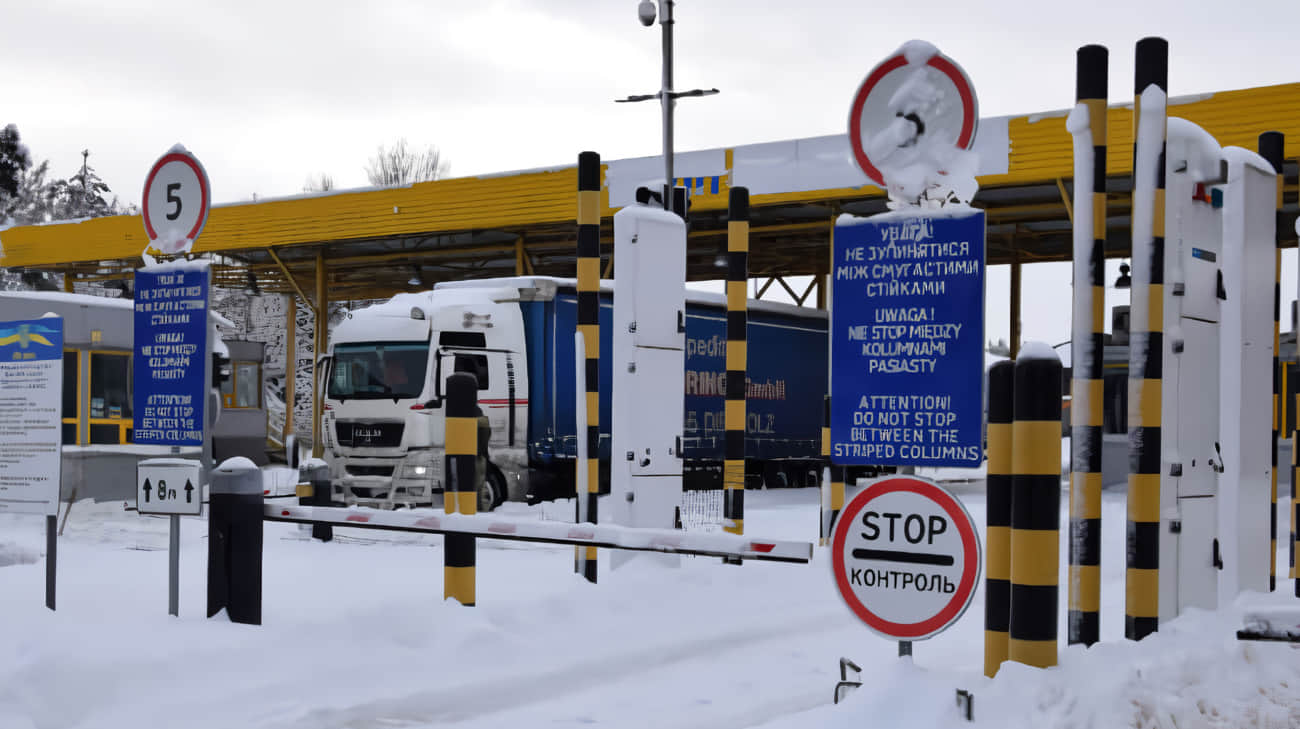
[906, 557]
[176, 201]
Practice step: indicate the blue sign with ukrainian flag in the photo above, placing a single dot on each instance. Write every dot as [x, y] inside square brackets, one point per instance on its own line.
[31, 416]
[35, 339]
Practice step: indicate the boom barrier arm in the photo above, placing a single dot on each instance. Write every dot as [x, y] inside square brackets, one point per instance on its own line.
[486, 526]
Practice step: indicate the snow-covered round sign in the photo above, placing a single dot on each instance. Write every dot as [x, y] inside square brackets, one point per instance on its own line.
[176, 201]
[912, 118]
[906, 557]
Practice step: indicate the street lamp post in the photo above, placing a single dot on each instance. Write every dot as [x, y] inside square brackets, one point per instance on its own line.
[667, 97]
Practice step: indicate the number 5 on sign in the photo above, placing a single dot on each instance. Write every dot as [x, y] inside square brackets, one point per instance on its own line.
[176, 201]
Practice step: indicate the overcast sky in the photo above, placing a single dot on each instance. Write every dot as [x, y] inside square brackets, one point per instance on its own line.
[268, 92]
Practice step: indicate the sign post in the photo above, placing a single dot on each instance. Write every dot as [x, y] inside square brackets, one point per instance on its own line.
[31, 427]
[170, 486]
[173, 344]
[906, 558]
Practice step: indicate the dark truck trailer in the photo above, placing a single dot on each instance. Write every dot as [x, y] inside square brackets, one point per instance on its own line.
[787, 380]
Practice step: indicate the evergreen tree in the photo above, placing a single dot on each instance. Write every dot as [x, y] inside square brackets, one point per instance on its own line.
[84, 195]
[14, 161]
[34, 200]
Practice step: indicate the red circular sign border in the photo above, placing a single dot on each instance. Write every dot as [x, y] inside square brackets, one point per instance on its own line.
[199, 172]
[965, 591]
[940, 62]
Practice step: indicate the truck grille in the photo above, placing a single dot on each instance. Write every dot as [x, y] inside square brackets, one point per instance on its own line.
[385, 471]
[369, 435]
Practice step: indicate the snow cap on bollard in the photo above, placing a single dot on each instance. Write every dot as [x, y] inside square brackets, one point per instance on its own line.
[238, 476]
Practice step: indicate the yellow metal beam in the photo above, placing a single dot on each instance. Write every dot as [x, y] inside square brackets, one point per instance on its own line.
[292, 281]
[1065, 198]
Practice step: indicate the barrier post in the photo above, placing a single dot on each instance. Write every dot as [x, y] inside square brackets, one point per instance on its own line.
[1087, 348]
[1270, 148]
[733, 468]
[997, 537]
[834, 488]
[460, 494]
[1146, 348]
[1035, 506]
[235, 505]
[589, 324]
[317, 473]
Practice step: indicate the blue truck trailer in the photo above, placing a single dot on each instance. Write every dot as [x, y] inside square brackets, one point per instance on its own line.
[383, 425]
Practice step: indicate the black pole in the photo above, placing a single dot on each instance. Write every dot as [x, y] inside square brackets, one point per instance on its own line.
[51, 558]
[235, 503]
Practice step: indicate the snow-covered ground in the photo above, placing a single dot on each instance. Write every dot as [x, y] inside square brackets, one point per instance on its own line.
[356, 635]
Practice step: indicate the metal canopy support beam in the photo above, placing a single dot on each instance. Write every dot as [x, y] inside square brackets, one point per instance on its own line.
[1014, 344]
[523, 264]
[812, 284]
[763, 289]
[290, 367]
[1065, 198]
[319, 330]
[292, 281]
[786, 286]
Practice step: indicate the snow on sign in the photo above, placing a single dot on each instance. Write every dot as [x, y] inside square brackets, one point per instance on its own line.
[906, 558]
[911, 121]
[31, 391]
[176, 201]
[168, 486]
[907, 339]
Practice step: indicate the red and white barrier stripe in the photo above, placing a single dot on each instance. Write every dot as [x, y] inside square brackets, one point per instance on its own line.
[488, 526]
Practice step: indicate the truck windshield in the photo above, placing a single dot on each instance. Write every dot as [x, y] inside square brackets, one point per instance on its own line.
[377, 370]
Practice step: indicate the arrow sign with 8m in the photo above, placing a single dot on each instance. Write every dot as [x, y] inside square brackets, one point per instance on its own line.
[906, 558]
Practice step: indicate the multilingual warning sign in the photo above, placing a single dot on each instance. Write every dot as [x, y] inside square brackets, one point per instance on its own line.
[907, 340]
[906, 557]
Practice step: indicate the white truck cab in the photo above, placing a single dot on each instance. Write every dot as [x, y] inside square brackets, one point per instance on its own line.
[383, 415]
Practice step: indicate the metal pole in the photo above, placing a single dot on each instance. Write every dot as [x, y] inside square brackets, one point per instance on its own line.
[666, 97]
[1087, 348]
[174, 567]
[319, 332]
[51, 558]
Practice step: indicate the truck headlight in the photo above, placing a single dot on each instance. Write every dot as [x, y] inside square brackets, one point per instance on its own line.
[418, 470]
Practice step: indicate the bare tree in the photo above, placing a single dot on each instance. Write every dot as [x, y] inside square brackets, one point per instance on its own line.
[400, 165]
[322, 182]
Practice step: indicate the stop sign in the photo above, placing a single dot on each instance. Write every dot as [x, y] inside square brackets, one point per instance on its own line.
[906, 557]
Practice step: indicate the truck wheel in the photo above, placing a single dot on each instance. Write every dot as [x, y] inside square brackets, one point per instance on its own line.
[493, 493]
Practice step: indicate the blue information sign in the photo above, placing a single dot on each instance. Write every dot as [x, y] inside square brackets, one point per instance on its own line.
[907, 340]
[171, 353]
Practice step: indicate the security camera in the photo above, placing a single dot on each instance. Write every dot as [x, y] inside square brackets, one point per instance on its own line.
[646, 12]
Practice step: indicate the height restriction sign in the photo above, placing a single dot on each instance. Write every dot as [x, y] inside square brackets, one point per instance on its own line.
[906, 557]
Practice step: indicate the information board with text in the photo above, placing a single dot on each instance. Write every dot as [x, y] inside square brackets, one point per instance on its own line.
[171, 356]
[31, 415]
[907, 340]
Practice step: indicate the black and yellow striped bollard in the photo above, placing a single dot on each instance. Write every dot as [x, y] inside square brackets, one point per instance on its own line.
[589, 325]
[1146, 369]
[733, 469]
[836, 476]
[1088, 349]
[460, 494]
[997, 538]
[1035, 506]
[1270, 148]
